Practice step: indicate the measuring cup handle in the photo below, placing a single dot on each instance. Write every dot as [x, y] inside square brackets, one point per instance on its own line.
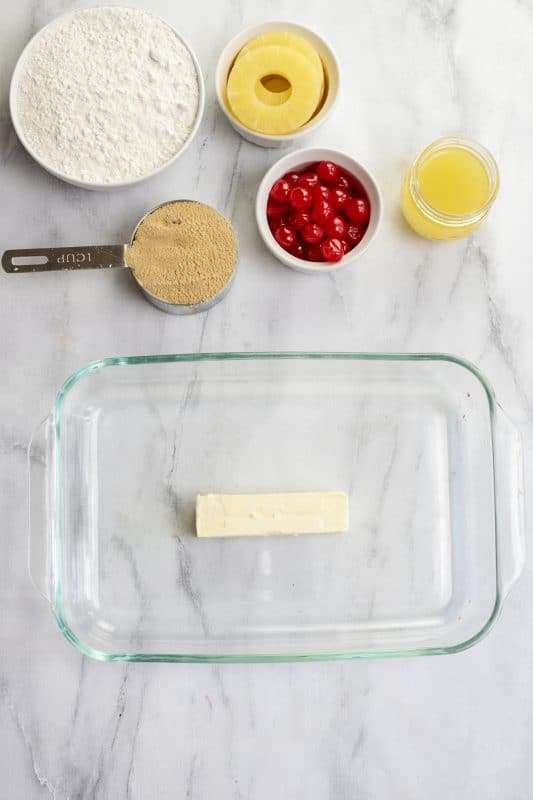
[46, 259]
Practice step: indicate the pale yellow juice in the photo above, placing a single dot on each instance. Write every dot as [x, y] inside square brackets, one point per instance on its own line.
[448, 192]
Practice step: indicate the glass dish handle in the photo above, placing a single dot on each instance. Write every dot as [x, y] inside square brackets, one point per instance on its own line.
[510, 514]
[40, 509]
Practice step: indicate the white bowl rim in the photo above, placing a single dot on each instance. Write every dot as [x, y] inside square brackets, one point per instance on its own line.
[298, 158]
[15, 79]
[309, 126]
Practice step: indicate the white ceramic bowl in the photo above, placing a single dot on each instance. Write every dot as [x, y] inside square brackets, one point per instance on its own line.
[299, 160]
[67, 178]
[225, 62]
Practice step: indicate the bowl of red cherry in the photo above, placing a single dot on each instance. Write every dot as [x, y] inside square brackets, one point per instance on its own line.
[318, 209]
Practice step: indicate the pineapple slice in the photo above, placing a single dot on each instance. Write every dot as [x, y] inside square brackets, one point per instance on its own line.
[244, 98]
[271, 90]
[285, 39]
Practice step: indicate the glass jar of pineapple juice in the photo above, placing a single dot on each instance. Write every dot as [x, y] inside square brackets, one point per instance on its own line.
[449, 189]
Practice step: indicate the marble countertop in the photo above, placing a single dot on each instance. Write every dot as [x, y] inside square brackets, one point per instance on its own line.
[451, 726]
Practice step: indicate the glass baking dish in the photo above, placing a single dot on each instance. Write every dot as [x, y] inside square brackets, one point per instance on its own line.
[431, 465]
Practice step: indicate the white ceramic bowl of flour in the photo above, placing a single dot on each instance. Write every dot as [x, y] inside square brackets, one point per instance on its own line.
[135, 129]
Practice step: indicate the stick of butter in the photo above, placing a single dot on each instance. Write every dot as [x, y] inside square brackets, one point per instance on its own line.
[219, 515]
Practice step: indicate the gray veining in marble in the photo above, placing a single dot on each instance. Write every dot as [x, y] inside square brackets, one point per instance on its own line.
[458, 726]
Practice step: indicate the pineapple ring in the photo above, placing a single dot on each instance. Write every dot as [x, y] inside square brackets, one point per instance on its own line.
[285, 39]
[268, 89]
[247, 106]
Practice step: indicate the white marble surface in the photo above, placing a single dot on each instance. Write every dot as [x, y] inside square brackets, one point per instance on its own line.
[456, 726]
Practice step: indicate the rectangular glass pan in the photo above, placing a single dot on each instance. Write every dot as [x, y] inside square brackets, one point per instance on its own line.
[431, 466]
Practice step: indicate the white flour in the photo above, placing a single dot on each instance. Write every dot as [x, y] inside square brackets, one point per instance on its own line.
[107, 94]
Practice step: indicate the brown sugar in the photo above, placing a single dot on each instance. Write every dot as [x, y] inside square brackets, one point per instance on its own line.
[184, 252]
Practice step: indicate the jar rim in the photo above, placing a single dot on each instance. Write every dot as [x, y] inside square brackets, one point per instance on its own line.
[476, 149]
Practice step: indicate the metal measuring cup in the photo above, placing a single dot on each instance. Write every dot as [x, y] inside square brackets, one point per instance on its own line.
[50, 259]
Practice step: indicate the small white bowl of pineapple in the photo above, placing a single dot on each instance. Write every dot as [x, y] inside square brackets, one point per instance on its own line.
[276, 82]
